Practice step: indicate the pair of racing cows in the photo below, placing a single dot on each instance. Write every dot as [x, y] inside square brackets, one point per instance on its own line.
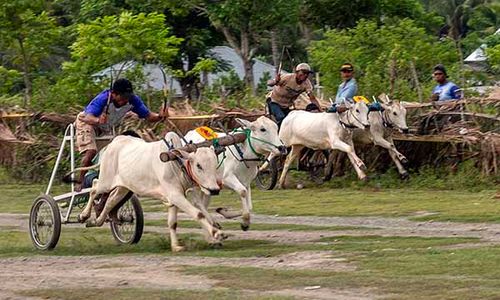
[130, 164]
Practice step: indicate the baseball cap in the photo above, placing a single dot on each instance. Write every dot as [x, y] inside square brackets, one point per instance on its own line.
[303, 67]
[347, 67]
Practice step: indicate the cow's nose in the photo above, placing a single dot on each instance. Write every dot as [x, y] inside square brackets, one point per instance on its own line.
[214, 192]
[405, 130]
[282, 149]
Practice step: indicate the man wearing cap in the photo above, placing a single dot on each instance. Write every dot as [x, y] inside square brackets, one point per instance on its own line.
[287, 88]
[349, 87]
[445, 90]
[104, 112]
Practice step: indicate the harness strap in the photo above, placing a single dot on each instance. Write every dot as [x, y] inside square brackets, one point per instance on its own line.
[347, 125]
[385, 121]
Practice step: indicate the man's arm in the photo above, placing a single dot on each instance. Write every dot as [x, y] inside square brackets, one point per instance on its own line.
[309, 92]
[93, 120]
[313, 99]
[275, 81]
[155, 117]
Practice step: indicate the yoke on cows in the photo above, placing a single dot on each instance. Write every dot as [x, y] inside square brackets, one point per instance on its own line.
[228, 140]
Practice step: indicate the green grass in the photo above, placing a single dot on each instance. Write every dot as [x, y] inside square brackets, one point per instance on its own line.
[449, 205]
[460, 206]
[18, 198]
[150, 294]
[92, 241]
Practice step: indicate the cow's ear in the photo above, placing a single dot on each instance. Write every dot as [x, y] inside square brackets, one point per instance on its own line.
[181, 153]
[244, 123]
[347, 103]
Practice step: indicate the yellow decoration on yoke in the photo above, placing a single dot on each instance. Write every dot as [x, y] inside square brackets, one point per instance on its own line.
[206, 132]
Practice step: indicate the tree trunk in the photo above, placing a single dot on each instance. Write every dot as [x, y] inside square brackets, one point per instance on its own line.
[26, 75]
[275, 47]
[249, 82]
[417, 82]
[392, 76]
[247, 55]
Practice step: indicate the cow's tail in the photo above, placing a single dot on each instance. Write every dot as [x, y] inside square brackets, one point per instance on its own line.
[67, 177]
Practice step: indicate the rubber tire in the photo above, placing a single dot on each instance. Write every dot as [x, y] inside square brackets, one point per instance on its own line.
[56, 214]
[272, 176]
[139, 223]
[327, 169]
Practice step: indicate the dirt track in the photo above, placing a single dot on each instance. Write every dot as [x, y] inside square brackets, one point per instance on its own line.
[161, 272]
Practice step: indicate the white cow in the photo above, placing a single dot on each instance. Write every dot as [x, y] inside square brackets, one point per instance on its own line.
[238, 171]
[393, 116]
[130, 164]
[321, 131]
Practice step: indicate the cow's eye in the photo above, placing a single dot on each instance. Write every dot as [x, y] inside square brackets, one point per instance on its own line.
[199, 166]
[357, 110]
[394, 113]
[263, 129]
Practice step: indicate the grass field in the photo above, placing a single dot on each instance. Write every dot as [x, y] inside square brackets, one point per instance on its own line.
[389, 266]
[446, 205]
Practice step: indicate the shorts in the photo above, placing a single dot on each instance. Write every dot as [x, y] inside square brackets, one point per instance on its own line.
[85, 135]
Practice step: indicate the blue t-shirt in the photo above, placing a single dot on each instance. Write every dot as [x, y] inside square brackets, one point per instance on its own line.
[346, 90]
[98, 104]
[447, 91]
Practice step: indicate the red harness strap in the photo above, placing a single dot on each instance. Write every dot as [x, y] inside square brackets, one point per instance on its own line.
[190, 172]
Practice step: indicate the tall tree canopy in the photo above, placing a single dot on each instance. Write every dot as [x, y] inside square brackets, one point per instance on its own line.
[27, 36]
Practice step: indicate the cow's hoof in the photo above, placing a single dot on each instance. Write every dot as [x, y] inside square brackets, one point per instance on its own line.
[404, 161]
[404, 176]
[91, 223]
[81, 219]
[178, 248]
[215, 245]
[244, 227]
[365, 179]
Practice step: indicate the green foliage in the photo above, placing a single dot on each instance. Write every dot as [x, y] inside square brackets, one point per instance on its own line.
[372, 49]
[100, 44]
[493, 52]
[113, 39]
[9, 80]
[28, 36]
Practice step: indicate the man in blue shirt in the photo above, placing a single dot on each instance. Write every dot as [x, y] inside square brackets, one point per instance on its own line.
[348, 88]
[105, 112]
[445, 90]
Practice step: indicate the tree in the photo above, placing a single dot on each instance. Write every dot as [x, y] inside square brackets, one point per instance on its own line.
[244, 23]
[28, 35]
[493, 52]
[395, 57]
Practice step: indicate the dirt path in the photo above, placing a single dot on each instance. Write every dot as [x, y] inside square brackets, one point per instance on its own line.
[487, 232]
[154, 272]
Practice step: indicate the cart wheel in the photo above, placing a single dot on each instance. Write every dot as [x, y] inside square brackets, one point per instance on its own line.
[266, 179]
[131, 222]
[320, 166]
[45, 223]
